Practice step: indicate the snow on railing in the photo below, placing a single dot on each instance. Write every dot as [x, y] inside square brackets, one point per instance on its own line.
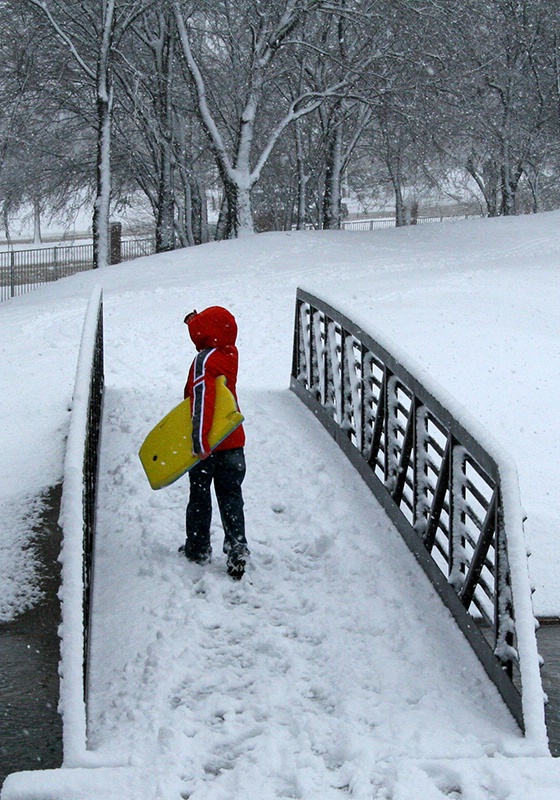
[78, 521]
[447, 485]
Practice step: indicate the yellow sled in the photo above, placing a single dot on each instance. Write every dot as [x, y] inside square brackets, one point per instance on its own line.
[166, 453]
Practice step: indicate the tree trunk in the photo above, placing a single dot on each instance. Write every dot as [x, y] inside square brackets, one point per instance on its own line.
[165, 230]
[510, 177]
[400, 211]
[222, 226]
[6, 221]
[236, 215]
[189, 213]
[243, 218]
[396, 181]
[302, 180]
[36, 222]
[486, 180]
[164, 51]
[532, 175]
[393, 162]
[332, 196]
[508, 196]
[102, 200]
[506, 184]
[199, 210]
[101, 256]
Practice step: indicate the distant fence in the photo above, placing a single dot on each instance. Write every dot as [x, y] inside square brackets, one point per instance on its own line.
[455, 503]
[78, 525]
[376, 224]
[22, 271]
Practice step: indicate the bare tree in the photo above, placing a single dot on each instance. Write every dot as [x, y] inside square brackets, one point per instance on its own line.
[91, 33]
[158, 137]
[506, 96]
[275, 103]
[254, 40]
[44, 141]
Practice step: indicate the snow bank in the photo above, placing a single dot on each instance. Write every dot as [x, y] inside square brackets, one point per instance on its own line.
[18, 563]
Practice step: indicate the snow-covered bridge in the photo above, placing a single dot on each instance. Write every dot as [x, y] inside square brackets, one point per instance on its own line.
[333, 669]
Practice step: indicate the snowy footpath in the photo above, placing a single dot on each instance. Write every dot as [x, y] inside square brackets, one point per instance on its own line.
[331, 670]
[329, 660]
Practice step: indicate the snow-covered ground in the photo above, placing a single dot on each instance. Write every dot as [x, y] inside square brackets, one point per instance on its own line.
[321, 674]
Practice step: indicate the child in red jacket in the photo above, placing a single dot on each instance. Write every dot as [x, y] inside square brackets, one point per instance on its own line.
[214, 332]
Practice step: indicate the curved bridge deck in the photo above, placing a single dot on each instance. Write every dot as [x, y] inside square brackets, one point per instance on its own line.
[328, 661]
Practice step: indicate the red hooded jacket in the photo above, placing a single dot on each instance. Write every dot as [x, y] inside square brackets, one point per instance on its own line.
[213, 332]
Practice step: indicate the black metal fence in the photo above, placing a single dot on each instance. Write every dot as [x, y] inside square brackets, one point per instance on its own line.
[440, 487]
[22, 271]
[135, 248]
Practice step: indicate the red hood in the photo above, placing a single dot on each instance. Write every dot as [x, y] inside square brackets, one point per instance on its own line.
[213, 327]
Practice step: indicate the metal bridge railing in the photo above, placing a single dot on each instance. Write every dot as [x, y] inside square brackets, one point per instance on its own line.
[444, 491]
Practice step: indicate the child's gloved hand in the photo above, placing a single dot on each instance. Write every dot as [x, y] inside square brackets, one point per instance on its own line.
[202, 455]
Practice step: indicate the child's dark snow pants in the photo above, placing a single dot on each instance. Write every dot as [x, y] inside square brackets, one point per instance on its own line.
[227, 469]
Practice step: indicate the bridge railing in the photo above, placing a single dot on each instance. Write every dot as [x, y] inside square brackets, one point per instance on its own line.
[78, 525]
[451, 494]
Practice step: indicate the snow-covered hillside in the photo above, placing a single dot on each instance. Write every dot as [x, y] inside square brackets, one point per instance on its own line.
[475, 303]
[319, 673]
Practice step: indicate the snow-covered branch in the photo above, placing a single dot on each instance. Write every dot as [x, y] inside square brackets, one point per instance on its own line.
[63, 36]
[200, 87]
[300, 107]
